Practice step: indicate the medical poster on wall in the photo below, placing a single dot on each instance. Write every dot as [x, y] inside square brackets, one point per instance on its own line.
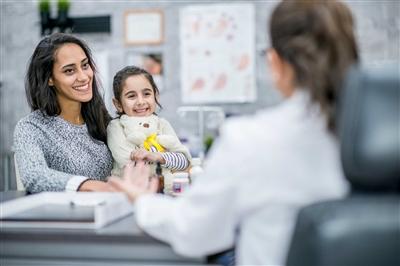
[217, 53]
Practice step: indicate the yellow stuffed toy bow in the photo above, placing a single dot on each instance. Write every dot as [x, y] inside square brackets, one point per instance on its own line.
[151, 144]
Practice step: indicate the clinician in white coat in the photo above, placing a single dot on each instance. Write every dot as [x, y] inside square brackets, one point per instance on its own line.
[265, 167]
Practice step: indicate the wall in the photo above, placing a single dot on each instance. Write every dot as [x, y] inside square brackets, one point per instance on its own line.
[378, 24]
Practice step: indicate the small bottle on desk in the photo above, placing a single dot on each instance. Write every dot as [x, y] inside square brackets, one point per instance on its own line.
[180, 183]
[160, 179]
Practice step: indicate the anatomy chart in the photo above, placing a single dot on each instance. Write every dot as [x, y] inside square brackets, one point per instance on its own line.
[217, 53]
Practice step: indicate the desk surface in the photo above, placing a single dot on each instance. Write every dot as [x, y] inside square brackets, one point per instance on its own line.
[120, 243]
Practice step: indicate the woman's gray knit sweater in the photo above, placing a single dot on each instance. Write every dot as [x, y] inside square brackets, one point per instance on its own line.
[50, 151]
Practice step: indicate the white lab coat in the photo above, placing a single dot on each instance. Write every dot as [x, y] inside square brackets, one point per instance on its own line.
[262, 170]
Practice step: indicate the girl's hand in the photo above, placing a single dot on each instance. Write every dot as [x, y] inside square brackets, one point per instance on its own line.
[147, 156]
[96, 186]
[135, 181]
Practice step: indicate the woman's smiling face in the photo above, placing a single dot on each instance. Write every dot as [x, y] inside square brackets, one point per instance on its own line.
[137, 97]
[72, 75]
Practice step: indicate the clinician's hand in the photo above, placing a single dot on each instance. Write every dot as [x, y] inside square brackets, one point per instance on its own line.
[135, 181]
[147, 156]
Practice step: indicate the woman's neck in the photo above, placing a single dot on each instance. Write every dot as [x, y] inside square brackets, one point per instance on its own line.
[72, 113]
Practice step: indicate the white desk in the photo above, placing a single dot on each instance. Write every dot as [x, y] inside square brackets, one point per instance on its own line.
[120, 243]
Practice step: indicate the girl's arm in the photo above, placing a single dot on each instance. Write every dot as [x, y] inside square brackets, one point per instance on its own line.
[175, 161]
[179, 158]
[171, 160]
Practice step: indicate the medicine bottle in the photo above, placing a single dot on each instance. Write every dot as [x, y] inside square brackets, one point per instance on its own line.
[180, 183]
[160, 177]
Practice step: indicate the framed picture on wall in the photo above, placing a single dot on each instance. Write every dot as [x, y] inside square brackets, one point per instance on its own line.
[144, 27]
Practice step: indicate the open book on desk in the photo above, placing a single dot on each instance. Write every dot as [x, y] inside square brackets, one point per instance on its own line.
[80, 210]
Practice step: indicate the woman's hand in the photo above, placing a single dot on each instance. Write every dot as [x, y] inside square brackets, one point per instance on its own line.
[144, 155]
[96, 186]
[135, 181]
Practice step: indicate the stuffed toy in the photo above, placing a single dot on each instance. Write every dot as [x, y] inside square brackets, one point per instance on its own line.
[142, 132]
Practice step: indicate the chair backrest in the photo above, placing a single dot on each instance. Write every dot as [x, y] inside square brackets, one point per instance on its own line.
[369, 128]
[362, 229]
[20, 186]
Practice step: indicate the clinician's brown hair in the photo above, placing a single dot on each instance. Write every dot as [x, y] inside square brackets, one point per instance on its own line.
[317, 38]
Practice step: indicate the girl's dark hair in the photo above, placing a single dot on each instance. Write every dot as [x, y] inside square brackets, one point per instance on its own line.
[317, 38]
[126, 72]
[41, 97]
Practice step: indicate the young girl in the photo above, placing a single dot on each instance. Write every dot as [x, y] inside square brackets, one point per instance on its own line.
[135, 98]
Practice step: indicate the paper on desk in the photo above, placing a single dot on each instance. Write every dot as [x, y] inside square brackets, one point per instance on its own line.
[107, 207]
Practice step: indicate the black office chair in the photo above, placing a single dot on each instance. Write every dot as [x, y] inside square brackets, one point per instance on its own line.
[364, 228]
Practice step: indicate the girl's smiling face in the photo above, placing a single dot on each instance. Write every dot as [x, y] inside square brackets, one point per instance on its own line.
[137, 97]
